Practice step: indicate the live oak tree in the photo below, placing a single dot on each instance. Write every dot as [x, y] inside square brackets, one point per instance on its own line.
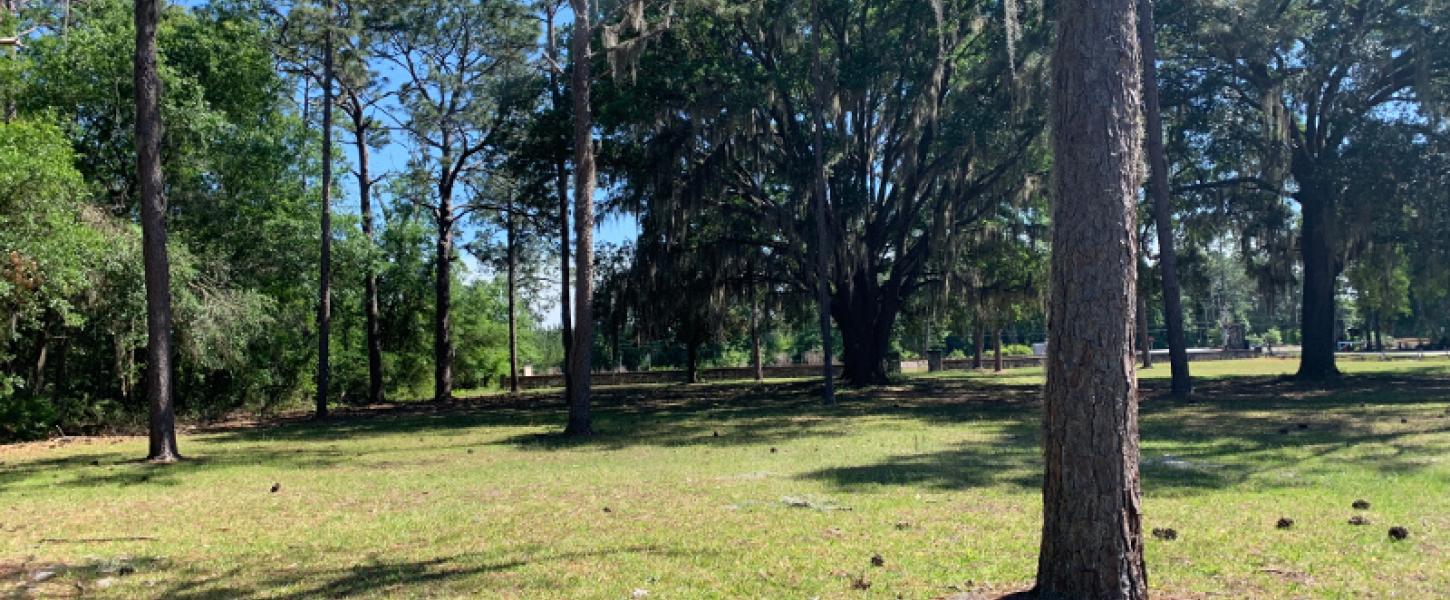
[1092, 539]
[1294, 83]
[1391, 194]
[922, 135]
[162, 448]
[684, 280]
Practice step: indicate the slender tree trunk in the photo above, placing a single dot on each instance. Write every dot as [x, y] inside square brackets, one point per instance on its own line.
[980, 333]
[1162, 205]
[42, 350]
[926, 334]
[370, 276]
[1317, 358]
[1092, 542]
[997, 351]
[561, 185]
[617, 353]
[757, 365]
[822, 211]
[513, 260]
[1379, 340]
[62, 366]
[566, 310]
[1144, 343]
[162, 447]
[582, 349]
[324, 286]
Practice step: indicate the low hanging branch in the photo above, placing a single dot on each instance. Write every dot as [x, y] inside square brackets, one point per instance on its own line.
[18, 40]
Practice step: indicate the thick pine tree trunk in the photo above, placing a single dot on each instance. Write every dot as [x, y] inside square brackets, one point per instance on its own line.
[582, 349]
[324, 284]
[1317, 359]
[370, 278]
[1092, 543]
[443, 298]
[1162, 205]
[162, 447]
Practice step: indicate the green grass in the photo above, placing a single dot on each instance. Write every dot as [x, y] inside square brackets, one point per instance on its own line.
[939, 475]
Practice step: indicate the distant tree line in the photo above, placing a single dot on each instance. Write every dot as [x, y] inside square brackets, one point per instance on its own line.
[368, 200]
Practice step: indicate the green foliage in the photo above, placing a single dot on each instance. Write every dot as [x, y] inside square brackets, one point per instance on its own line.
[1016, 350]
[1272, 337]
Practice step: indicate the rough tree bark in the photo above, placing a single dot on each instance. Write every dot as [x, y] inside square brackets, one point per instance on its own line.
[1317, 359]
[324, 285]
[581, 351]
[865, 310]
[818, 195]
[443, 290]
[162, 447]
[1092, 543]
[1162, 205]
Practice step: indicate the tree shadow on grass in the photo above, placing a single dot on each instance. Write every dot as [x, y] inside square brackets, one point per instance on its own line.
[769, 414]
[1217, 433]
[1230, 432]
[388, 577]
[112, 469]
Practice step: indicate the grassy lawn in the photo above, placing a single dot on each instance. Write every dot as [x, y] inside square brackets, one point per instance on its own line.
[741, 491]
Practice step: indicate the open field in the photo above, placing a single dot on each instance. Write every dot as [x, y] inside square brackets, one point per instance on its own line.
[743, 491]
